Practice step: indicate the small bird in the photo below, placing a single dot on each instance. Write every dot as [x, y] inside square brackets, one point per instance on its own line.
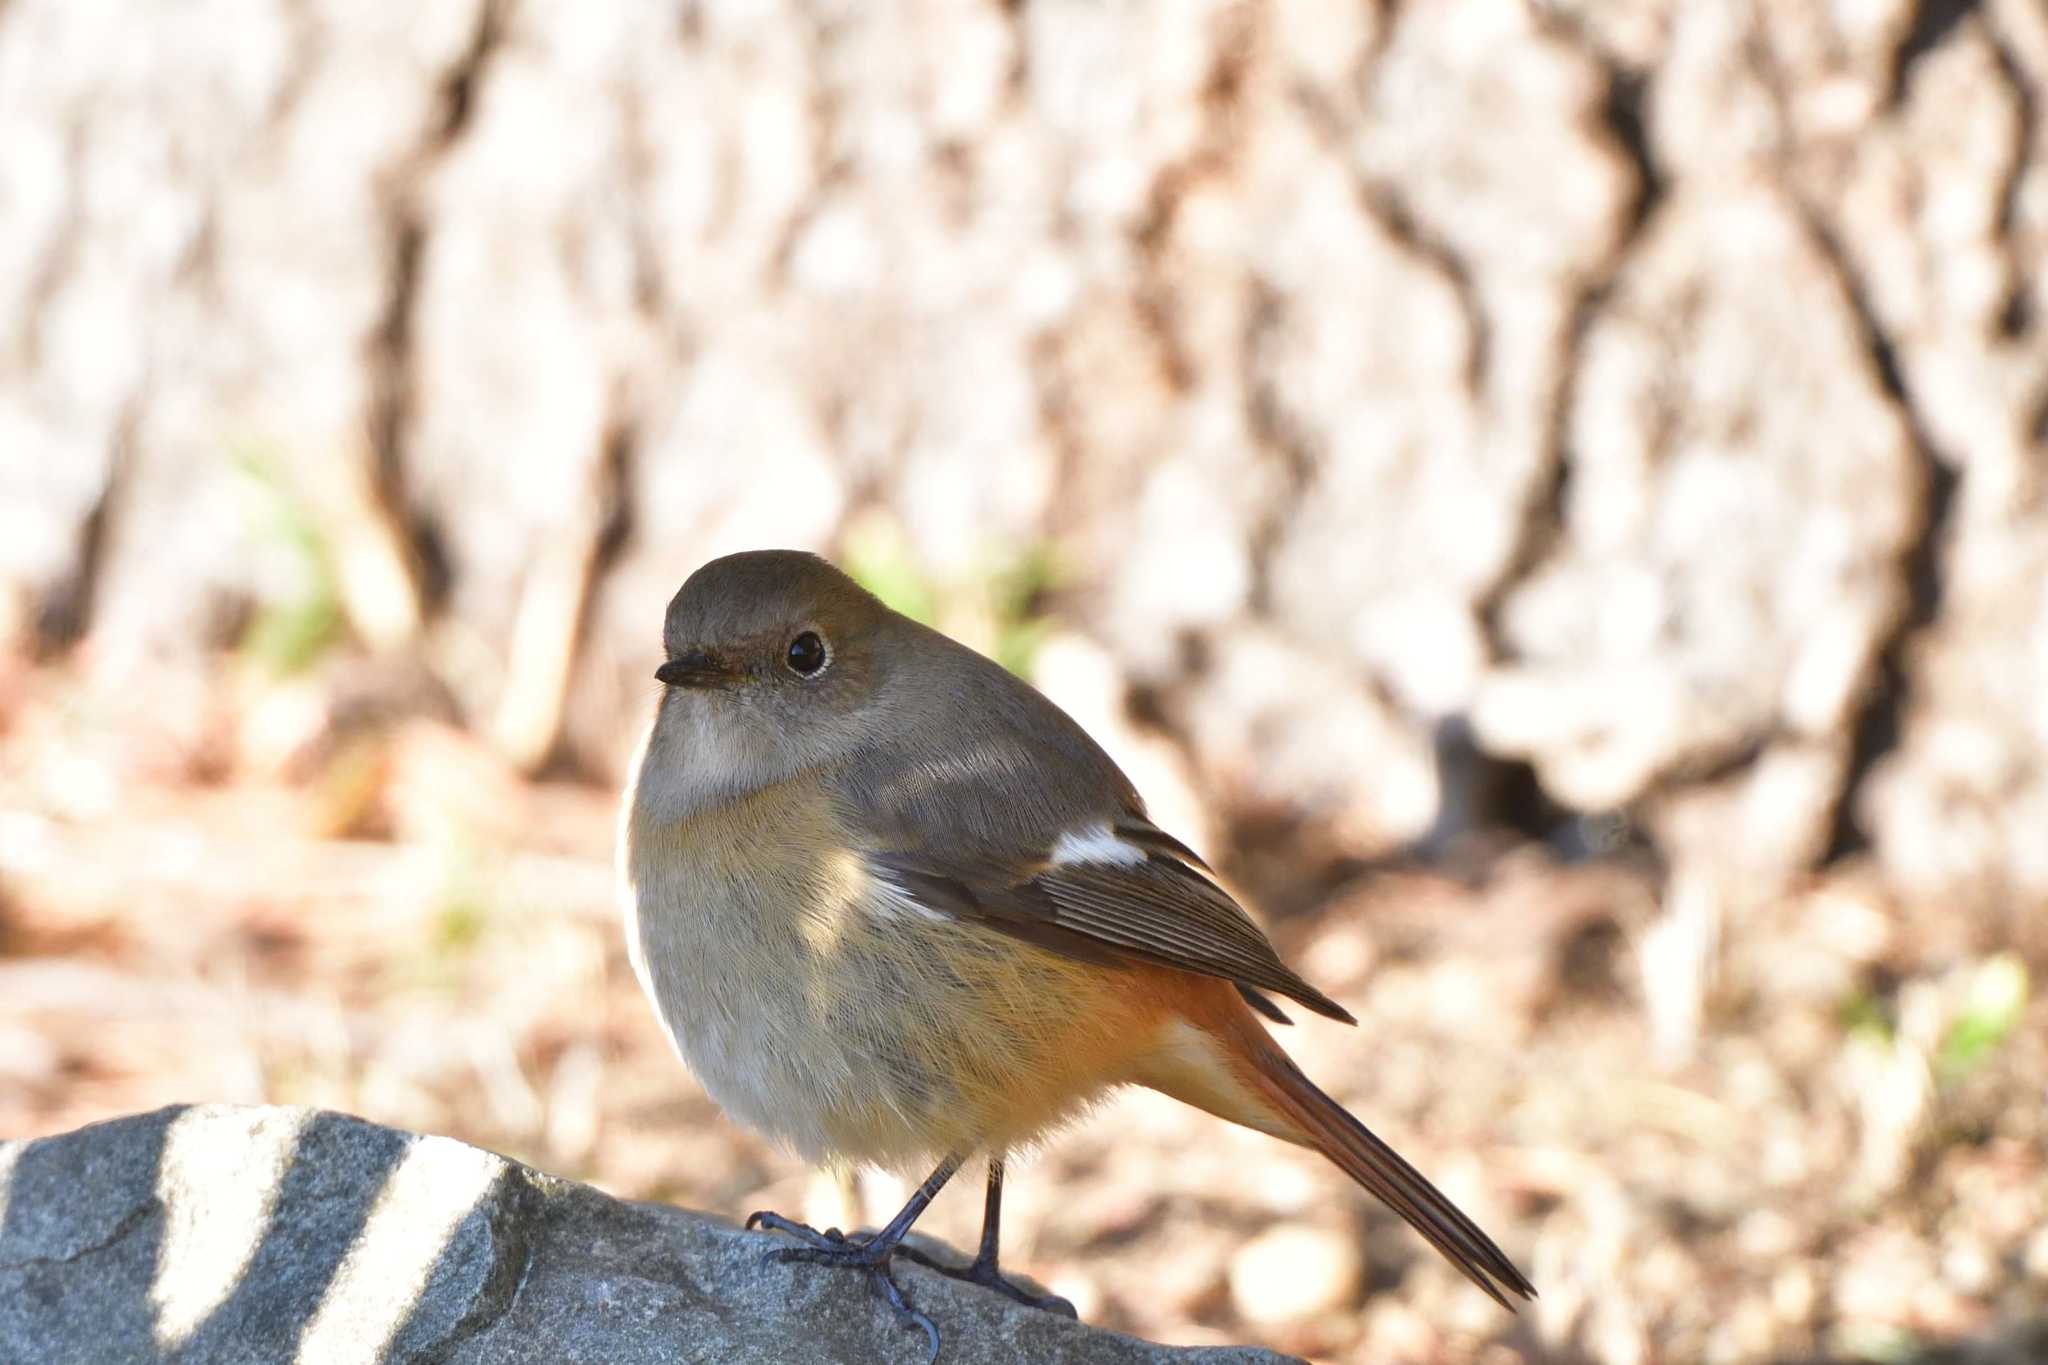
[894, 907]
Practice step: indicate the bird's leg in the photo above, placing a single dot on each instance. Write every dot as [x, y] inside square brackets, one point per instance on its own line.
[870, 1252]
[983, 1271]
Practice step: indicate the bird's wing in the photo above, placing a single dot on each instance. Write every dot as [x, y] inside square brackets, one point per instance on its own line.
[1107, 891]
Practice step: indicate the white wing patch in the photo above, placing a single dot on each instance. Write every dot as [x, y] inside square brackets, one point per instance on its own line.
[1095, 843]
[890, 901]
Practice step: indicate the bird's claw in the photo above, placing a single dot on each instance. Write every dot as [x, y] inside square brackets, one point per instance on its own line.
[985, 1274]
[803, 1232]
[886, 1285]
[867, 1254]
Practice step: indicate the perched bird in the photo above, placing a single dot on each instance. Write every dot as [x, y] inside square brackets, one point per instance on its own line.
[893, 907]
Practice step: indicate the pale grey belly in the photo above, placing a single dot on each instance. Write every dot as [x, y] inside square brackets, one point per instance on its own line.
[815, 1039]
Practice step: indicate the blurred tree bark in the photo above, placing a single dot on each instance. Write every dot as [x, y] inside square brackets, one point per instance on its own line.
[1655, 395]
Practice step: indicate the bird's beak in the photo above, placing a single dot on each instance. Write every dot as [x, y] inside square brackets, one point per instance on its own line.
[694, 669]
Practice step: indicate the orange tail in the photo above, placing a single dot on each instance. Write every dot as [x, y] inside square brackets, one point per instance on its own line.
[1228, 1065]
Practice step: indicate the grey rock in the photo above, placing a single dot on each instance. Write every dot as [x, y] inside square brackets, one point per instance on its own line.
[221, 1235]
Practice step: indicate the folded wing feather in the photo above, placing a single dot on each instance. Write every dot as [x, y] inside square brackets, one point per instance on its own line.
[1146, 897]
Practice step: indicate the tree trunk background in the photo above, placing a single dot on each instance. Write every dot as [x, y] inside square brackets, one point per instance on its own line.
[1654, 394]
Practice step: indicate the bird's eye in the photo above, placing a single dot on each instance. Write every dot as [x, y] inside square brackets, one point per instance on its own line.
[807, 654]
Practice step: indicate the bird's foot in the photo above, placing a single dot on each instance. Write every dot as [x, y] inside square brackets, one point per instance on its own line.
[868, 1253]
[803, 1232]
[985, 1274]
